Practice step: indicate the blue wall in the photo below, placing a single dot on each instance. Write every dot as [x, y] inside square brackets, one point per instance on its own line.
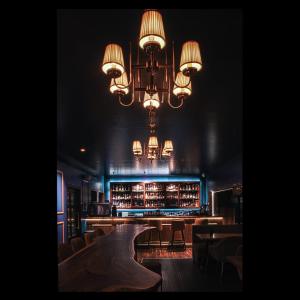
[70, 176]
[61, 208]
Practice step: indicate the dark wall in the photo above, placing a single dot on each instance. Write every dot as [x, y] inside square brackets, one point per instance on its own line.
[78, 179]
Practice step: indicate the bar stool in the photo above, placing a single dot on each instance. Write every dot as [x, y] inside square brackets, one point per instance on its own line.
[158, 227]
[178, 225]
[77, 243]
[99, 232]
[89, 237]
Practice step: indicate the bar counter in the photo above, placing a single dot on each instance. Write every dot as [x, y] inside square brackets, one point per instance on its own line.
[108, 224]
[108, 265]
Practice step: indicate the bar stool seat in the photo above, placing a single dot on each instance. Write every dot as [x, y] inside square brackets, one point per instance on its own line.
[158, 227]
[178, 225]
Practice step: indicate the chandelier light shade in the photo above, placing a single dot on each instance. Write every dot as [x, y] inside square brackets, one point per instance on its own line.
[152, 30]
[182, 86]
[137, 148]
[168, 147]
[113, 61]
[153, 142]
[190, 58]
[151, 102]
[119, 85]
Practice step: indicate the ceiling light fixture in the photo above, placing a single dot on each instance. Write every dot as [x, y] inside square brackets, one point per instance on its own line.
[152, 150]
[152, 77]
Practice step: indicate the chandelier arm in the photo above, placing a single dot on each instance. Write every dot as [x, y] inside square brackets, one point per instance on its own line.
[170, 104]
[138, 62]
[123, 104]
[165, 81]
[120, 86]
[166, 69]
[173, 62]
[130, 63]
[138, 73]
[133, 84]
[169, 89]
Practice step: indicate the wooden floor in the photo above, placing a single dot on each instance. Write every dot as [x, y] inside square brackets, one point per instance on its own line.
[164, 252]
[181, 275]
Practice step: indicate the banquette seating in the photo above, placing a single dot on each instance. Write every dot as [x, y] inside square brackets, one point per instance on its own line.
[64, 251]
[199, 247]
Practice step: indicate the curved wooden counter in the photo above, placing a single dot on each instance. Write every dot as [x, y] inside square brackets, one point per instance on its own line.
[108, 264]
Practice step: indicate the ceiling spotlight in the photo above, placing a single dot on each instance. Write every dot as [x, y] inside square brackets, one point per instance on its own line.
[82, 149]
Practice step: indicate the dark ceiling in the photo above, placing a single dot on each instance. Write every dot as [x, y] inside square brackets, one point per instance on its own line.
[206, 131]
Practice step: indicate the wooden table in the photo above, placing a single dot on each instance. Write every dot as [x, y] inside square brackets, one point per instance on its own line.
[237, 262]
[216, 236]
[208, 238]
[108, 264]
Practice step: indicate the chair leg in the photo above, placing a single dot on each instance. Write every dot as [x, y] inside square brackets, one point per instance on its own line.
[159, 238]
[222, 269]
[182, 236]
[149, 237]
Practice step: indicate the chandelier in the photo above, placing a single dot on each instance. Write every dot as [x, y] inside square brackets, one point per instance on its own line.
[152, 79]
[152, 150]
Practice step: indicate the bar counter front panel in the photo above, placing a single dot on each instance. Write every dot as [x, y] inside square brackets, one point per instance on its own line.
[108, 224]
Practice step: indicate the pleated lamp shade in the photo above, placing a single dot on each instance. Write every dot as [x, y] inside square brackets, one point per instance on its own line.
[121, 85]
[190, 57]
[152, 30]
[153, 143]
[151, 101]
[113, 61]
[137, 148]
[168, 147]
[183, 85]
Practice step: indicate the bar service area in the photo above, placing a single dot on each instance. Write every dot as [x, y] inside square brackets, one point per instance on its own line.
[149, 150]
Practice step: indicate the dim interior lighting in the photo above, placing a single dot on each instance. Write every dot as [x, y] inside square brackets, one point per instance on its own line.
[213, 198]
[153, 71]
